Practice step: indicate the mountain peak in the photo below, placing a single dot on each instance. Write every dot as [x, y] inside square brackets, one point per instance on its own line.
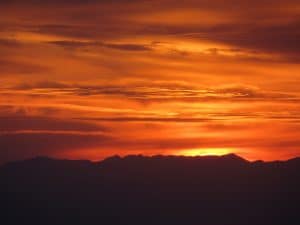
[234, 156]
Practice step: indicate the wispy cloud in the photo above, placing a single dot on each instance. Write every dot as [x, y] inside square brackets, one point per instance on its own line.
[155, 93]
[122, 46]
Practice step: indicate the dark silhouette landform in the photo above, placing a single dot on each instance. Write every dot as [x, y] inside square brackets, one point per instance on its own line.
[158, 190]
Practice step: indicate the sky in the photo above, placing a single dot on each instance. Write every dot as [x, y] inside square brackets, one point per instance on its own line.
[95, 78]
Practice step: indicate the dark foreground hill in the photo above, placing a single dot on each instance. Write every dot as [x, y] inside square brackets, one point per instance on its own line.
[160, 190]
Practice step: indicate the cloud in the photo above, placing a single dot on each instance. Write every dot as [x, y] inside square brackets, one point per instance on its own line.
[127, 47]
[258, 28]
[149, 119]
[275, 38]
[9, 67]
[22, 144]
[97, 64]
[8, 42]
[81, 44]
[64, 2]
[162, 93]
[31, 123]
[42, 85]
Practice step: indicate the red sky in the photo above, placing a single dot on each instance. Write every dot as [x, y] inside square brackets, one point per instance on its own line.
[90, 79]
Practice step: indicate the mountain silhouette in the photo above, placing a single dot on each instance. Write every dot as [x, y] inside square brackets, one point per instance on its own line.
[158, 190]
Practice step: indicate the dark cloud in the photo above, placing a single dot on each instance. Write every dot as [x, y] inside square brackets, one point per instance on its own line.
[9, 42]
[73, 44]
[19, 123]
[248, 35]
[6, 110]
[270, 26]
[80, 44]
[42, 84]
[127, 47]
[282, 38]
[17, 67]
[63, 2]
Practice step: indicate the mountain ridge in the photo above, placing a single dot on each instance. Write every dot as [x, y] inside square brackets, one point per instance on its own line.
[157, 190]
[115, 158]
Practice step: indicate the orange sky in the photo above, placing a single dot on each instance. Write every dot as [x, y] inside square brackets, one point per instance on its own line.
[89, 79]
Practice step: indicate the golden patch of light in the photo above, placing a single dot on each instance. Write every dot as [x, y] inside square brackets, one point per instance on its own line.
[186, 46]
[204, 151]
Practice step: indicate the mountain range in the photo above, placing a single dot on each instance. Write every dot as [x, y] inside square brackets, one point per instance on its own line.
[157, 190]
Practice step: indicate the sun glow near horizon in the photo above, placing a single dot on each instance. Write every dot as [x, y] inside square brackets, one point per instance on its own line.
[205, 151]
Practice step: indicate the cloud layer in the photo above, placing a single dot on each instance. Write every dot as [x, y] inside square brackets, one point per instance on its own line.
[103, 77]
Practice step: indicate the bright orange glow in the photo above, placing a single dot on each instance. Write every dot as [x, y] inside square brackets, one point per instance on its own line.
[205, 152]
